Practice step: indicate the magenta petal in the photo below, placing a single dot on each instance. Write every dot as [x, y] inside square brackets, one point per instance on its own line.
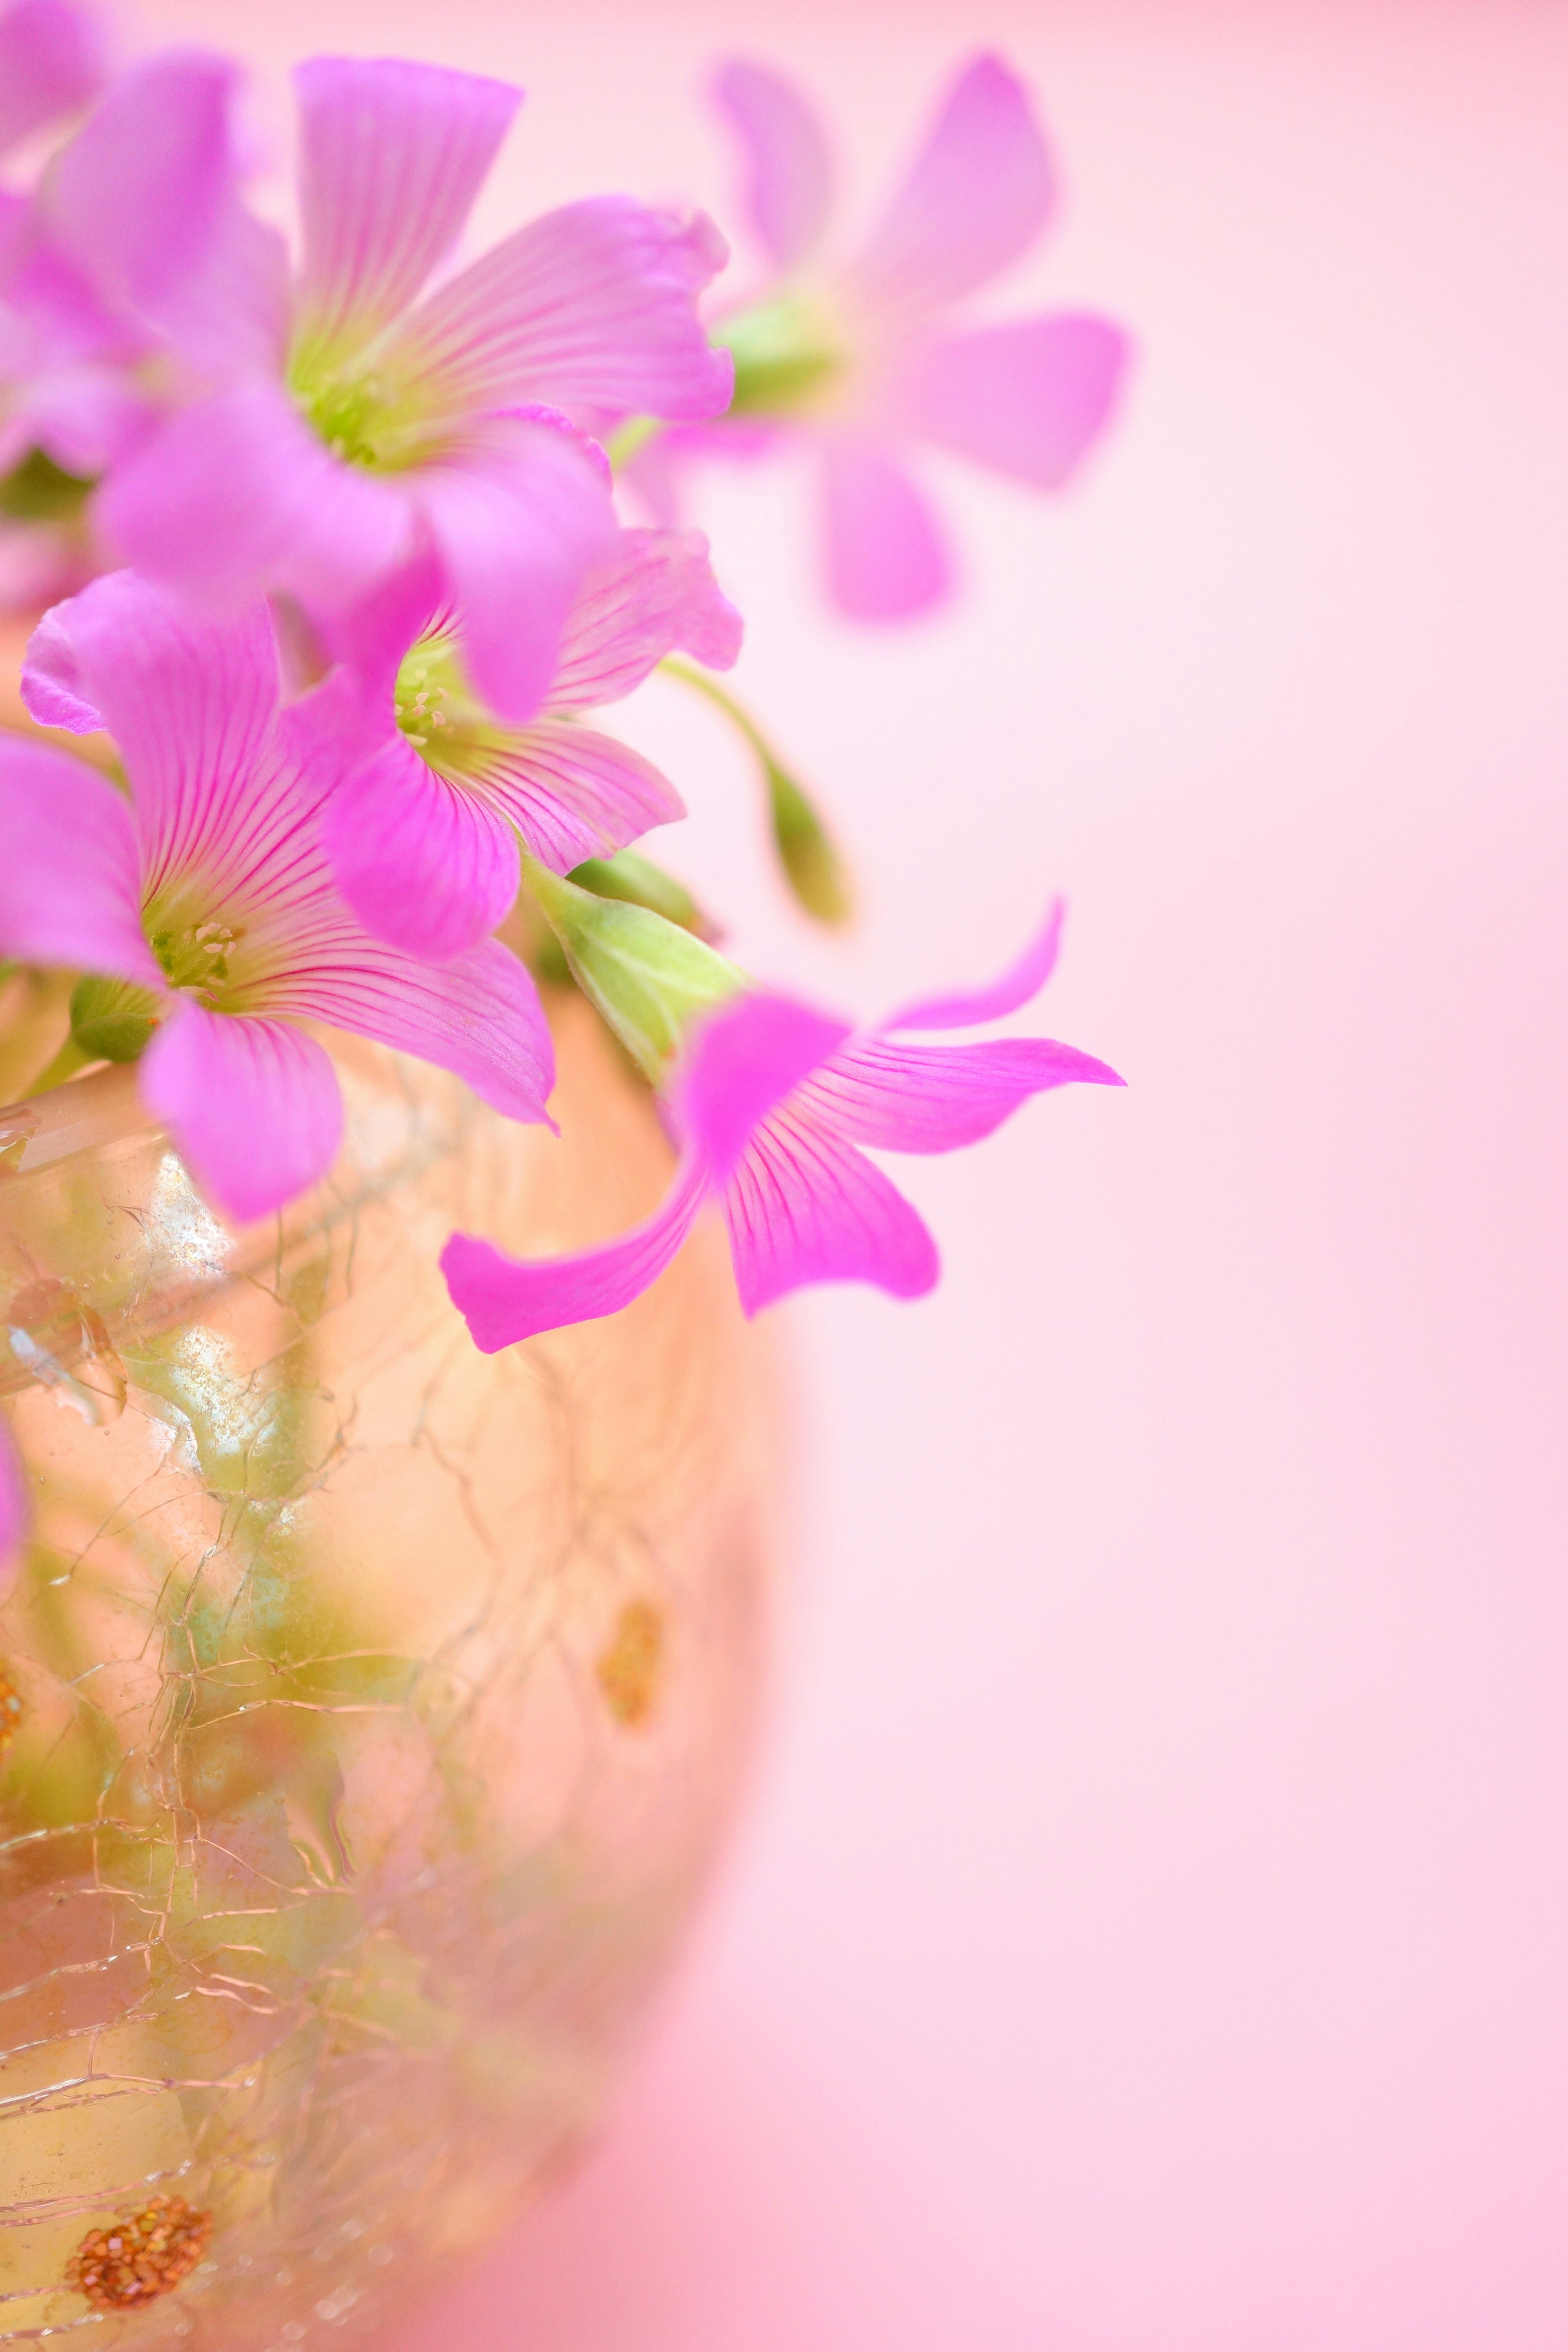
[654, 594]
[238, 496]
[965, 1008]
[137, 196]
[900, 1097]
[573, 794]
[1029, 398]
[478, 1014]
[790, 169]
[979, 194]
[805, 1206]
[52, 60]
[886, 557]
[392, 156]
[13, 1513]
[503, 1300]
[191, 705]
[253, 1104]
[51, 677]
[743, 1061]
[592, 307]
[521, 516]
[70, 869]
[426, 865]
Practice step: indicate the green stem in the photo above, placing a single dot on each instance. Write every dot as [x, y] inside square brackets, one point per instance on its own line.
[812, 864]
[70, 1058]
[634, 435]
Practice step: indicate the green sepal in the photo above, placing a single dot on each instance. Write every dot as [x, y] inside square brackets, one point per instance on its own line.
[641, 882]
[112, 1020]
[38, 491]
[812, 866]
[648, 977]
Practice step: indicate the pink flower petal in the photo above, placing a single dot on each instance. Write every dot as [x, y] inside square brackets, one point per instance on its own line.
[886, 557]
[136, 198]
[979, 194]
[739, 1063]
[521, 514]
[237, 496]
[69, 870]
[653, 594]
[592, 307]
[392, 156]
[190, 704]
[429, 866]
[925, 1098]
[573, 794]
[804, 1206]
[966, 1008]
[504, 1299]
[790, 168]
[1029, 398]
[478, 1015]
[743, 1061]
[52, 60]
[51, 677]
[253, 1106]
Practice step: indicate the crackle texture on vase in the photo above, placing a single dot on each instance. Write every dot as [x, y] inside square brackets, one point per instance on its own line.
[377, 1704]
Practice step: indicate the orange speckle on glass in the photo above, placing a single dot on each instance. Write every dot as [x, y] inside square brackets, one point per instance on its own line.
[144, 2256]
[630, 1669]
[10, 1710]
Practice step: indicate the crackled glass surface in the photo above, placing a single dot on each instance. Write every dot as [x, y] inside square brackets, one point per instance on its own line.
[370, 1707]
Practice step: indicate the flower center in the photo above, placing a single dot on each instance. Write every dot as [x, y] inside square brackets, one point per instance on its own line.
[361, 412]
[196, 957]
[788, 357]
[441, 715]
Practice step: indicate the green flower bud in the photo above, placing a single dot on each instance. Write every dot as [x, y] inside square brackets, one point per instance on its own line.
[648, 977]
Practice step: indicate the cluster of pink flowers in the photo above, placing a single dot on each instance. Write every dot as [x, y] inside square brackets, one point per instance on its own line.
[343, 577]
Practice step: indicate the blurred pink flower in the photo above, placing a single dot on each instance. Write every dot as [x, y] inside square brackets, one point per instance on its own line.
[861, 357]
[53, 58]
[350, 430]
[430, 794]
[97, 263]
[774, 1104]
[207, 888]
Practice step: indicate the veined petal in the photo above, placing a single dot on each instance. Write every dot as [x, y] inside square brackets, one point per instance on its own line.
[804, 1206]
[1029, 398]
[521, 514]
[69, 867]
[52, 60]
[392, 155]
[885, 556]
[573, 794]
[136, 198]
[503, 1300]
[429, 865]
[237, 496]
[478, 1014]
[789, 190]
[653, 594]
[900, 1098]
[965, 1008]
[189, 702]
[980, 193]
[253, 1104]
[743, 1060]
[590, 307]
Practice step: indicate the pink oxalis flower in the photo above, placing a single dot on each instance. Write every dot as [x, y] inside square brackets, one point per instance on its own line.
[862, 358]
[96, 263]
[52, 61]
[206, 890]
[359, 422]
[774, 1104]
[429, 793]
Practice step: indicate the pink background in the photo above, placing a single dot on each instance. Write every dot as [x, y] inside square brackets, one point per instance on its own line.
[1151, 1930]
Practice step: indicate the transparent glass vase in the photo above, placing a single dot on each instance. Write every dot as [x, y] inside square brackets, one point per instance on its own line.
[371, 1708]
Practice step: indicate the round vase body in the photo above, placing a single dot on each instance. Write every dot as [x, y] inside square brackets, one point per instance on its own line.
[371, 1708]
